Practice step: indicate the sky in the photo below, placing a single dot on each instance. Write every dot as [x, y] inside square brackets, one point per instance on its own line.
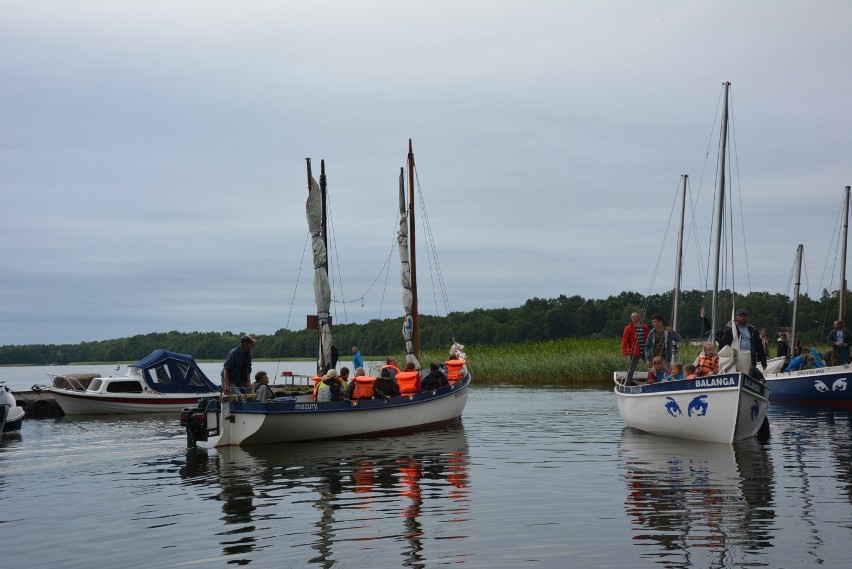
[152, 154]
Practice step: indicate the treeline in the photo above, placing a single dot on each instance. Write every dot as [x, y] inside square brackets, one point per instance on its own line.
[537, 320]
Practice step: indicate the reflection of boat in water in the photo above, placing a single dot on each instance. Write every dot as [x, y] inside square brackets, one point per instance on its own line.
[683, 496]
[347, 496]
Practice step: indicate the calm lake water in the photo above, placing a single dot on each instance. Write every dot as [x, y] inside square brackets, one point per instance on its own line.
[531, 477]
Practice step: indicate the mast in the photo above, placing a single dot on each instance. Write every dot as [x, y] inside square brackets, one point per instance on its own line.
[841, 312]
[415, 317]
[799, 254]
[316, 213]
[678, 265]
[720, 205]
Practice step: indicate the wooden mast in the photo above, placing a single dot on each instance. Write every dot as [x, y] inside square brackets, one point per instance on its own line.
[412, 256]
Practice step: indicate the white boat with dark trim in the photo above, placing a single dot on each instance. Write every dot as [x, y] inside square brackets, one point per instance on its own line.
[829, 386]
[724, 408]
[163, 382]
[239, 420]
[721, 408]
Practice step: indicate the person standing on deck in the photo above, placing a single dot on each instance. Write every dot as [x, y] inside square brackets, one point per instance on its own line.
[783, 348]
[357, 359]
[660, 341]
[633, 343]
[236, 372]
[749, 342]
[839, 338]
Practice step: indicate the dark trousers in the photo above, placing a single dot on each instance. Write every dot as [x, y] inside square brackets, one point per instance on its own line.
[631, 369]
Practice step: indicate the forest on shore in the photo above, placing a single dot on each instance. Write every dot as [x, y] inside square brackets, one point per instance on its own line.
[537, 320]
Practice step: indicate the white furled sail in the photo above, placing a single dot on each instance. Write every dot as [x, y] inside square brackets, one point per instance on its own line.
[322, 289]
[405, 276]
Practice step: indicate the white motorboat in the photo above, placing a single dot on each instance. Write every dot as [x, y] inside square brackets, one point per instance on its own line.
[163, 382]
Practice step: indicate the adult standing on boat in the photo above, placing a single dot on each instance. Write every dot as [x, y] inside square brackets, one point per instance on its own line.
[783, 348]
[660, 341]
[839, 338]
[236, 373]
[357, 358]
[633, 343]
[749, 342]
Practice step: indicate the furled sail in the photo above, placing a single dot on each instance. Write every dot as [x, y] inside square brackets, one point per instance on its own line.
[322, 290]
[405, 276]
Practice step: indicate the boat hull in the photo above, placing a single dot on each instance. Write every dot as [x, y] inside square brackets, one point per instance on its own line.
[827, 386]
[723, 408]
[90, 403]
[250, 422]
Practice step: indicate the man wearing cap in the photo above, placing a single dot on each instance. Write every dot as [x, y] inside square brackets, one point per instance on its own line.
[236, 373]
[749, 341]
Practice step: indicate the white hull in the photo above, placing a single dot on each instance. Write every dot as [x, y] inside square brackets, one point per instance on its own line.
[249, 422]
[722, 408]
[89, 403]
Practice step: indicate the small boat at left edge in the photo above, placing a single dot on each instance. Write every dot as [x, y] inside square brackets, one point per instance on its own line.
[11, 415]
[162, 382]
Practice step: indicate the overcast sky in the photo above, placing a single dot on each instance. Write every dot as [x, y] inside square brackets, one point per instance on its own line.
[153, 174]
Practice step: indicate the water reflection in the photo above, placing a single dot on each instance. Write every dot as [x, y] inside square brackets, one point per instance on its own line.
[349, 498]
[697, 504]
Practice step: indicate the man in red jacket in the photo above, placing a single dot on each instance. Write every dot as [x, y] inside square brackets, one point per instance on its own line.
[633, 343]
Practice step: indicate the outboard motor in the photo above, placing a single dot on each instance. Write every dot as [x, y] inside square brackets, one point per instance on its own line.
[195, 421]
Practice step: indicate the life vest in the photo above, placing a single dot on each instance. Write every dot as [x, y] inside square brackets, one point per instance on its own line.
[408, 382]
[707, 365]
[394, 369]
[454, 368]
[317, 379]
[363, 387]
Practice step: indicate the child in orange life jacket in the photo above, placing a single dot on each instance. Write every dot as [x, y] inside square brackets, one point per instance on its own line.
[676, 373]
[658, 370]
[707, 362]
[689, 370]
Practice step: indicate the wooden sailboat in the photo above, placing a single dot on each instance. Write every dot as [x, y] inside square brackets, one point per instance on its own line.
[235, 420]
[724, 408]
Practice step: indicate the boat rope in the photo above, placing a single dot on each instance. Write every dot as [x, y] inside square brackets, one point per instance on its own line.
[432, 253]
[298, 276]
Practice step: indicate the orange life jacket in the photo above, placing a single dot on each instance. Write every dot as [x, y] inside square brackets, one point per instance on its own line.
[707, 365]
[317, 379]
[454, 368]
[408, 382]
[363, 387]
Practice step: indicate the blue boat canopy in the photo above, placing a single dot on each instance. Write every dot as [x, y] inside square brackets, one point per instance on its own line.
[170, 372]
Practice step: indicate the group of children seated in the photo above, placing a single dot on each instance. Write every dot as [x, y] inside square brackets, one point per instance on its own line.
[707, 363]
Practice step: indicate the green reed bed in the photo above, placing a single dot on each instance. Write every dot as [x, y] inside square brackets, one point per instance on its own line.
[557, 362]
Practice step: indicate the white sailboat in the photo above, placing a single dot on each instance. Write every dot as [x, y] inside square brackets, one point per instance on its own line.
[237, 420]
[723, 408]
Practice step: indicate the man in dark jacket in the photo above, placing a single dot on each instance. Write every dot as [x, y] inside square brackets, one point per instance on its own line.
[839, 338]
[385, 385]
[749, 341]
[435, 379]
